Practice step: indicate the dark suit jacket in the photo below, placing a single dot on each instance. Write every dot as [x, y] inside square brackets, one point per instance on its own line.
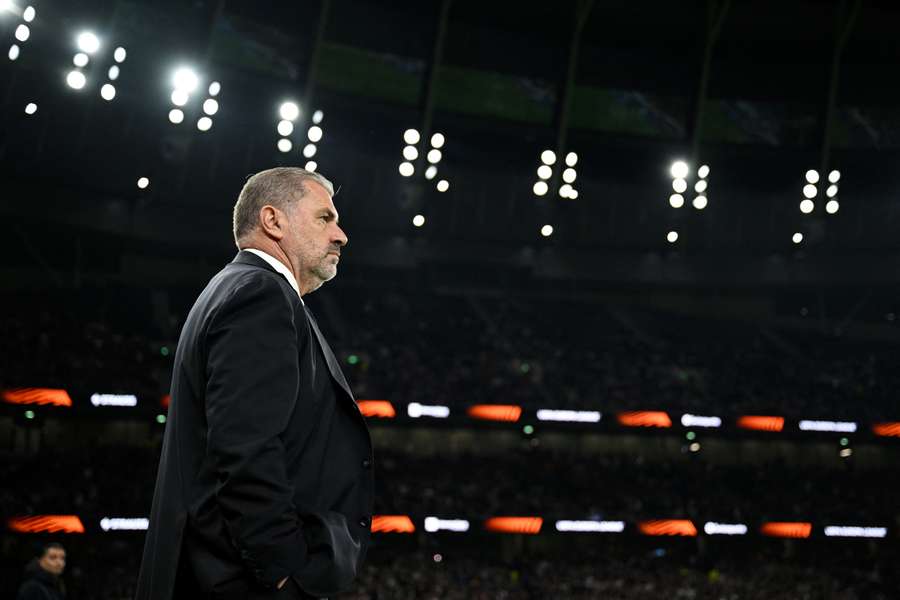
[266, 466]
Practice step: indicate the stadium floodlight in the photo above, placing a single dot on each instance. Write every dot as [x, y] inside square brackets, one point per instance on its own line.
[410, 153]
[204, 123]
[119, 54]
[311, 165]
[6, 5]
[76, 80]
[289, 111]
[437, 140]
[676, 200]
[30, 108]
[28, 14]
[571, 159]
[407, 169]
[700, 202]
[547, 230]
[834, 176]
[23, 32]
[573, 194]
[176, 116]
[80, 59]
[810, 191]
[317, 117]
[703, 171]
[143, 182]
[700, 186]
[108, 91]
[184, 78]
[214, 88]
[812, 176]
[832, 206]
[544, 172]
[548, 157]
[210, 106]
[565, 191]
[540, 188]
[113, 73]
[309, 150]
[314, 133]
[679, 185]
[807, 206]
[88, 42]
[443, 185]
[832, 191]
[434, 156]
[431, 172]
[672, 237]
[13, 52]
[179, 97]
[418, 220]
[411, 136]
[569, 175]
[285, 127]
[797, 238]
[285, 145]
[679, 169]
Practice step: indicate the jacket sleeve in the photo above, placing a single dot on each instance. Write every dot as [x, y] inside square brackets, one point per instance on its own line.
[253, 377]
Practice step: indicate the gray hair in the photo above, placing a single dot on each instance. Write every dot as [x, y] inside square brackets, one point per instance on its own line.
[278, 187]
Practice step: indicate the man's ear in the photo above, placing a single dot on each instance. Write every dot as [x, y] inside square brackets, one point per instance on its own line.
[272, 221]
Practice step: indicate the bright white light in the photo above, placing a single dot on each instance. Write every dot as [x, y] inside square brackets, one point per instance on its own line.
[547, 230]
[416, 410]
[113, 73]
[6, 5]
[569, 175]
[120, 54]
[544, 172]
[309, 150]
[285, 145]
[108, 91]
[700, 186]
[689, 420]
[569, 416]
[832, 206]
[114, 399]
[143, 182]
[810, 191]
[812, 176]
[214, 88]
[807, 206]
[672, 237]
[437, 140]
[835, 426]
[411, 136]
[28, 14]
[443, 185]
[548, 157]
[679, 185]
[176, 116]
[407, 169]
[679, 169]
[433, 524]
[703, 171]
[418, 220]
[179, 97]
[591, 526]
[13, 52]
[30, 108]
[311, 165]
[565, 191]
[854, 531]
[797, 238]
[540, 188]
[573, 194]
[410, 153]
[80, 59]
[712, 528]
[430, 172]
[832, 191]
[23, 32]
[571, 159]
[185, 79]
[695, 447]
[289, 111]
[210, 106]
[676, 200]
[76, 80]
[317, 117]
[285, 127]
[846, 452]
[314, 133]
[204, 123]
[699, 202]
[434, 156]
[88, 42]
[834, 176]
[126, 524]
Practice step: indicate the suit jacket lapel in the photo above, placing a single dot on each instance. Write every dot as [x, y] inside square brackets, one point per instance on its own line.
[333, 365]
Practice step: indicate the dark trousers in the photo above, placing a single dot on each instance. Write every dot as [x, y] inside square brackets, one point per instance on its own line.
[186, 588]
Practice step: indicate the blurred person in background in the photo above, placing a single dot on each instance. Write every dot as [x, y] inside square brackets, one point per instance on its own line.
[43, 575]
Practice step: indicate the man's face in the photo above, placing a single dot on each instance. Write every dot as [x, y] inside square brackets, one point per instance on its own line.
[54, 561]
[314, 238]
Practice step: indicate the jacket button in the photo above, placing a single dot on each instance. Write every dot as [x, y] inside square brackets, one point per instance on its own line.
[363, 522]
[367, 463]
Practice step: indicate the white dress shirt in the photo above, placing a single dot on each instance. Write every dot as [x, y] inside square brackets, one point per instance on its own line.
[280, 267]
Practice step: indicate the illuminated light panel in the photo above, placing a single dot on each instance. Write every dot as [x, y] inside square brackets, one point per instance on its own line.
[644, 418]
[525, 525]
[495, 412]
[377, 408]
[838, 426]
[416, 410]
[569, 416]
[113, 399]
[682, 527]
[712, 528]
[124, 524]
[591, 526]
[689, 420]
[433, 524]
[46, 524]
[799, 529]
[851, 531]
[761, 423]
[392, 524]
[887, 429]
[51, 396]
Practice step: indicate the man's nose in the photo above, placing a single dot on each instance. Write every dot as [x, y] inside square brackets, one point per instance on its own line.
[340, 238]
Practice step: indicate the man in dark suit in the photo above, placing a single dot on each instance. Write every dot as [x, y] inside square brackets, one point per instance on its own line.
[265, 482]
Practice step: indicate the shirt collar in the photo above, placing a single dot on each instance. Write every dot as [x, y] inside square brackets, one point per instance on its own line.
[279, 267]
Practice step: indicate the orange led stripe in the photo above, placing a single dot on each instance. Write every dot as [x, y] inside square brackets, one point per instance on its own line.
[377, 408]
[645, 418]
[668, 527]
[787, 529]
[46, 524]
[759, 423]
[496, 412]
[392, 524]
[527, 525]
[50, 396]
[887, 429]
